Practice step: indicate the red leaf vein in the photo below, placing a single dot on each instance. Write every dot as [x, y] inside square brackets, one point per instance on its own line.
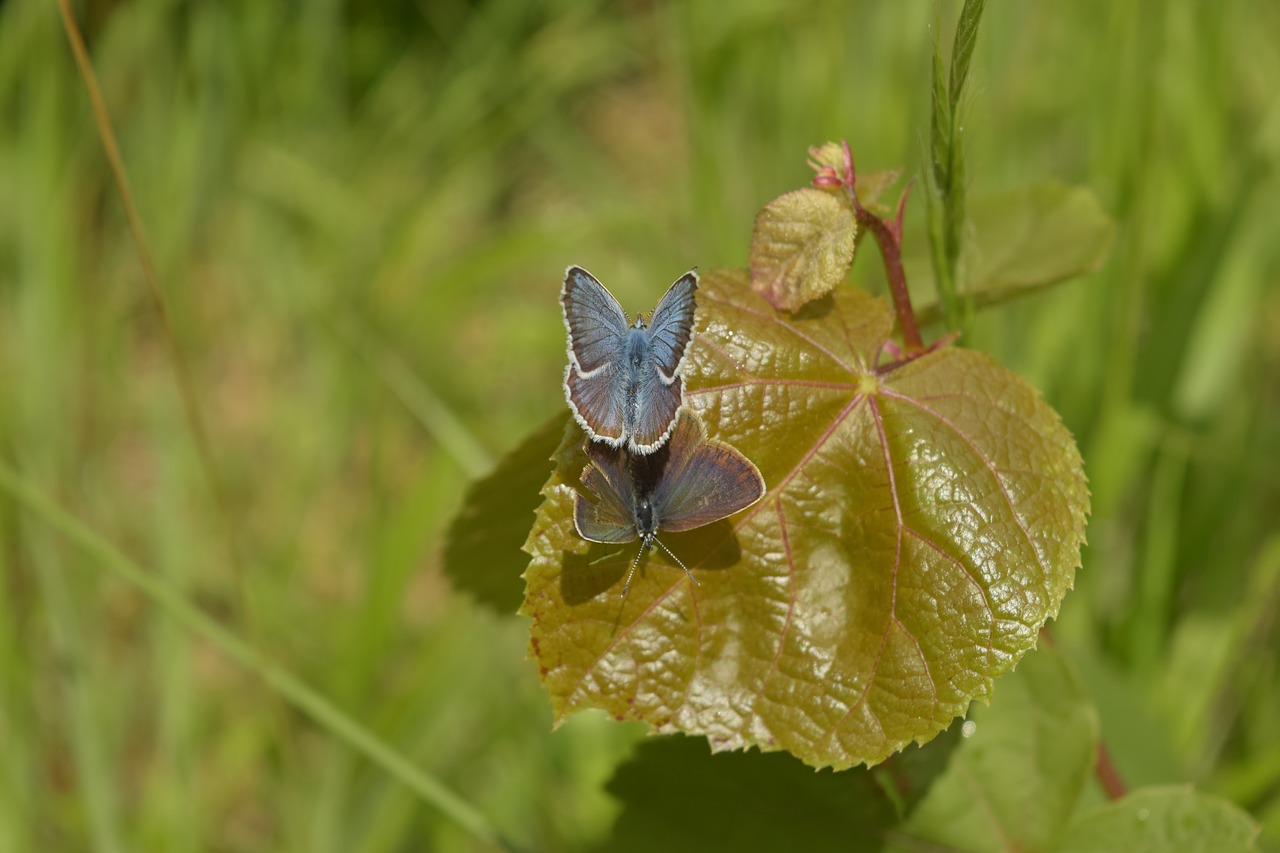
[988, 463]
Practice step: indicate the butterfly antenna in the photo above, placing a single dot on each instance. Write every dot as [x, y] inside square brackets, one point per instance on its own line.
[677, 559]
[644, 546]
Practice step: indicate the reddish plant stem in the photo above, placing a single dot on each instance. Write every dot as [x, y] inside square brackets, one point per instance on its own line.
[891, 251]
[1105, 769]
[888, 236]
[1108, 775]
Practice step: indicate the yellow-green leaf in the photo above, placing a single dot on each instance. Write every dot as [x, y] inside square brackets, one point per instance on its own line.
[1036, 235]
[922, 521]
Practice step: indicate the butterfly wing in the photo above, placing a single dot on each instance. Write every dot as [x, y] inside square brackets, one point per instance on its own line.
[671, 327]
[704, 480]
[597, 403]
[610, 518]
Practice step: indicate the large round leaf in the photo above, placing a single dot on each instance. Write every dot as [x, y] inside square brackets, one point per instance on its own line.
[922, 521]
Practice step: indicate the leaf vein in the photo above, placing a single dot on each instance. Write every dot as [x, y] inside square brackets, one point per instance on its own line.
[778, 321]
[705, 340]
[962, 395]
[804, 460]
[791, 606]
[989, 464]
[893, 583]
[793, 383]
[620, 635]
[986, 599]
[923, 658]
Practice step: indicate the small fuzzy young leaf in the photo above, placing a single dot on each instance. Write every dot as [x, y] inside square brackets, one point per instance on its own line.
[921, 522]
[828, 154]
[871, 186]
[1014, 783]
[802, 247]
[1166, 819]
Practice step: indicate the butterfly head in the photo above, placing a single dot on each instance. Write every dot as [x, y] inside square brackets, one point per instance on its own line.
[648, 539]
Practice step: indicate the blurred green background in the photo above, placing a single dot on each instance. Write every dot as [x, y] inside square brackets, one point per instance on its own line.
[360, 214]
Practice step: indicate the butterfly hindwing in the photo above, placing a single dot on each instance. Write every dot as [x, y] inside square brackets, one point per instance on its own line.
[596, 404]
[688, 482]
[610, 518]
[654, 414]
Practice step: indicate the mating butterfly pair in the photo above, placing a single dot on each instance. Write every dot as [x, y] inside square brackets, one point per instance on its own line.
[652, 466]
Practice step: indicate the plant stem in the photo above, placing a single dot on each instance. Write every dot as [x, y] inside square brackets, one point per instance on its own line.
[1108, 775]
[183, 373]
[891, 251]
[182, 369]
[888, 234]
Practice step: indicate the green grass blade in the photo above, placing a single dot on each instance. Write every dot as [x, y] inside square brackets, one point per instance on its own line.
[939, 119]
[947, 204]
[939, 193]
[962, 50]
[88, 739]
[297, 693]
[431, 412]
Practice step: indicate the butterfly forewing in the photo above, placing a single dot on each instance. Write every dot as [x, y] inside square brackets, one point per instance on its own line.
[595, 321]
[671, 326]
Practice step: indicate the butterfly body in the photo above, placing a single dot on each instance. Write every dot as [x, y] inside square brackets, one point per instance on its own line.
[689, 482]
[624, 382]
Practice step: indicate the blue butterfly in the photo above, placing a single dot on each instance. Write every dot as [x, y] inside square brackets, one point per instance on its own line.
[623, 382]
[690, 481]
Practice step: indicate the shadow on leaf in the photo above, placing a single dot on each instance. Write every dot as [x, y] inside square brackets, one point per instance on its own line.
[817, 309]
[713, 547]
[677, 796]
[482, 555]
